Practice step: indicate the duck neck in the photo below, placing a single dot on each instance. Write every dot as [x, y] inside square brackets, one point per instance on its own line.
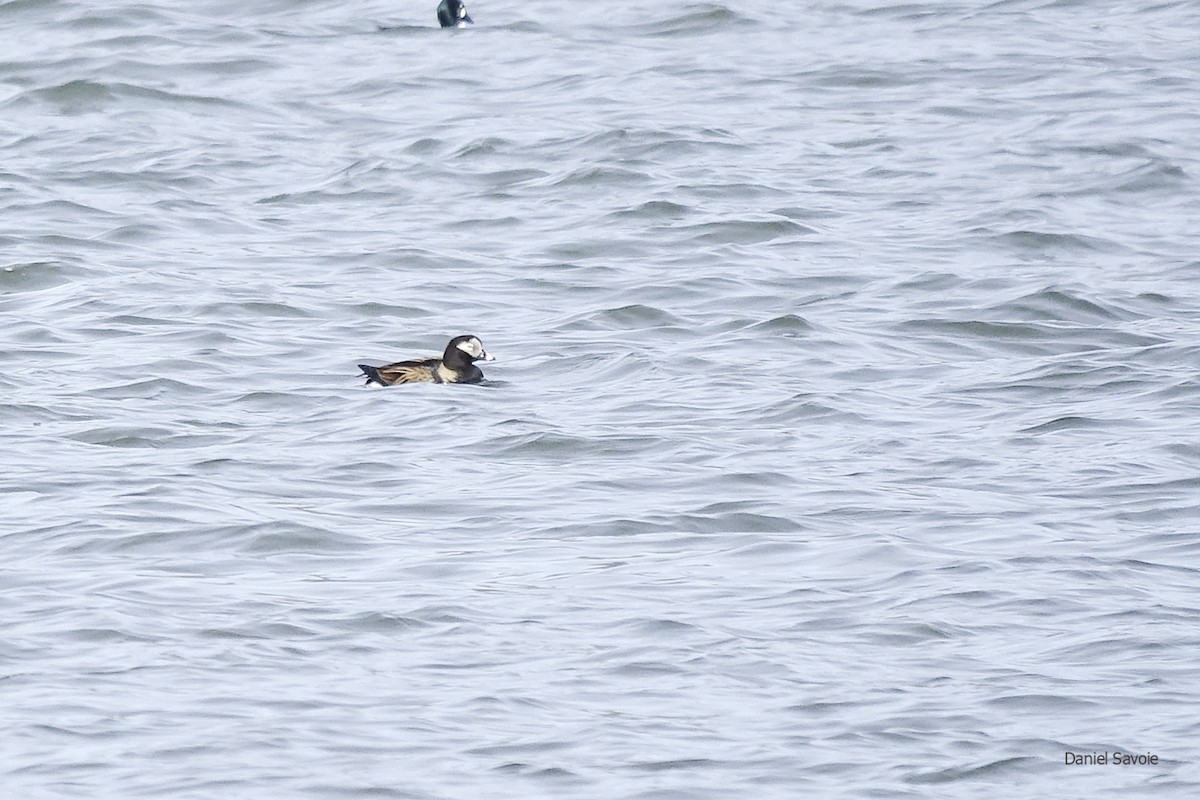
[456, 359]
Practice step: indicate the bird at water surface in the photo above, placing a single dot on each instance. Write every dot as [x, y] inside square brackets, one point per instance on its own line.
[457, 365]
[453, 14]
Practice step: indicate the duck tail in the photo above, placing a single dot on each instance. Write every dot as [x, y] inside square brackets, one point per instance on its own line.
[372, 374]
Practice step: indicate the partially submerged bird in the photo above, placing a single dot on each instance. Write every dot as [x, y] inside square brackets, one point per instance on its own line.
[453, 14]
[457, 365]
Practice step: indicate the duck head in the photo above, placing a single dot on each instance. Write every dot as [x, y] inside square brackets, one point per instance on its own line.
[471, 346]
[453, 14]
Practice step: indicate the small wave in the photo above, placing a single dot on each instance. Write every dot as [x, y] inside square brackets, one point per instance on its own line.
[149, 388]
[408, 30]
[322, 197]
[601, 176]
[1016, 766]
[31, 276]
[375, 308]
[858, 78]
[147, 438]
[681, 524]
[487, 146]
[688, 764]
[1042, 241]
[746, 231]
[1153, 178]
[85, 96]
[558, 445]
[281, 537]
[630, 317]
[654, 209]
[697, 19]
[1065, 423]
[787, 323]
[1056, 304]
[255, 309]
[1033, 337]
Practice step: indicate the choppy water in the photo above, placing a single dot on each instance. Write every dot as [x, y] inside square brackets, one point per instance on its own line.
[843, 443]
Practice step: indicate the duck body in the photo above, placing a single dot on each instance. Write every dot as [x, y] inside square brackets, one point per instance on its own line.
[453, 14]
[457, 365]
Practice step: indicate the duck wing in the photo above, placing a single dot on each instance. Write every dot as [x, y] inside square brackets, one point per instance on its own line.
[418, 370]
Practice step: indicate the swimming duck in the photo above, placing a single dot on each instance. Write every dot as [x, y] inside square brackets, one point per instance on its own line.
[457, 365]
[453, 14]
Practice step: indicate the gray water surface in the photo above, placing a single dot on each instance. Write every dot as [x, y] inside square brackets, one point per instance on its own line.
[843, 441]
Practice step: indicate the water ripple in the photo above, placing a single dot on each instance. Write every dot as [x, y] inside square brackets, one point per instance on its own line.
[838, 443]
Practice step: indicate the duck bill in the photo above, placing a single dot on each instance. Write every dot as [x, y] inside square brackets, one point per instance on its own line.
[466, 20]
[486, 356]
